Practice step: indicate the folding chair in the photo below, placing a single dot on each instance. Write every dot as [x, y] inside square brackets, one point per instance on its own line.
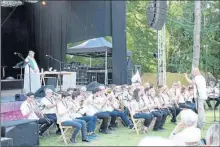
[64, 129]
[138, 123]
[152, 124]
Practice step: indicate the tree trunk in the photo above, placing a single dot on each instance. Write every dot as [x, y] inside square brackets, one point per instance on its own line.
[197, 28]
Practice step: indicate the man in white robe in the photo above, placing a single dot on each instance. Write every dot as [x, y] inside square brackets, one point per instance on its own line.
[34, 78]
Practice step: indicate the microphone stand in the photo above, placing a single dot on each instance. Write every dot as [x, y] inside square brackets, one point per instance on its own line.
[60, 62]
[25, 63]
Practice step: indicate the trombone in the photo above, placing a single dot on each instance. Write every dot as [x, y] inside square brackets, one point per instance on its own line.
[39, 111]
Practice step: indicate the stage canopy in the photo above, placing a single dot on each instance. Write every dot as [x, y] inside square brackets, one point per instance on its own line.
[96, 47]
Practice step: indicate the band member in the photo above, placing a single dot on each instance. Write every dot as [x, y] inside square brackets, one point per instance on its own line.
[95, 105]
[113, 105]
[213, 94]
[80, 107]
[30, 110]
[138, 111]
[200, 93]
[157, 112]
[50, 104]
[182, 96]
[168, 103]
[31, 74]
[64, 117]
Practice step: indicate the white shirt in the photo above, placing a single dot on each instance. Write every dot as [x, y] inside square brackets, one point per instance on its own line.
[27, 108]
[62, 112]
[48, 101]
[200, 83]
[165, 98]
[213, 92]
[92, 106]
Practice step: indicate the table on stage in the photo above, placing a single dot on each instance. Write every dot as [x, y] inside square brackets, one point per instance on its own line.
[69, 78]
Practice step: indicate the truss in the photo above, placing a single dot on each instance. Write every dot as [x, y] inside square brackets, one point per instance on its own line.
[161, 69]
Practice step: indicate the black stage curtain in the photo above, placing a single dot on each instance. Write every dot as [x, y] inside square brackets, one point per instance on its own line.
[47, 30]
[13, 38]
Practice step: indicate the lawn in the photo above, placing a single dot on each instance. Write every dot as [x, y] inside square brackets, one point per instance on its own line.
[122, 136]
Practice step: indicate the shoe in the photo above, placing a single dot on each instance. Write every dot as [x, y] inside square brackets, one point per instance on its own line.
[111, 128]
[73, 141]
[161, 128]
[156, 129]
[86, 140]
[94, 135]
[58, 132]
[131, 126]
[106, 132]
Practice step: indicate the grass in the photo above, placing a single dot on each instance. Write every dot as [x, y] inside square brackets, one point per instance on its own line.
[122, 137]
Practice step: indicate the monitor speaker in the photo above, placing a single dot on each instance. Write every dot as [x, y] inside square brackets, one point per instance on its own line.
[23, 132]
[156, 14]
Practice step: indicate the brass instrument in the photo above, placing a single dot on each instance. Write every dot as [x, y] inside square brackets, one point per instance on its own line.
[39, 111]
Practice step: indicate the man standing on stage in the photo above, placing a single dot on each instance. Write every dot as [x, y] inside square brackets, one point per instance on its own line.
[34, 79]
[200, 93]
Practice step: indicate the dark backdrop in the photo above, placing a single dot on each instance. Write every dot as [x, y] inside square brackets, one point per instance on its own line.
[48, 29]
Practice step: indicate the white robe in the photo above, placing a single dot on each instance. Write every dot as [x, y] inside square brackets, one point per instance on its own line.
[34, 77]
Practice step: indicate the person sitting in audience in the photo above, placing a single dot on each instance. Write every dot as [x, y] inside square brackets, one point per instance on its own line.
[157, 141]
[79, 109]
[213, 95]
[65, 118]
[186, 130]
[213, 135]
[95, 105]
[137, 111]
[30, 110]
[189, 98]
[50, 103]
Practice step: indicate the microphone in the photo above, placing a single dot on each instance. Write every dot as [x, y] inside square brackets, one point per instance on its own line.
[47, 55]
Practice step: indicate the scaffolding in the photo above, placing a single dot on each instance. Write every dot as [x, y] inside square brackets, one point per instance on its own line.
[161, 67]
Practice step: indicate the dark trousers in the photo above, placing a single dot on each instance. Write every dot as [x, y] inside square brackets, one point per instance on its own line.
[173, 112]
[105, 119]
[44, 125]
[159, 120]
[115, 113]
[54, 118]
[213, 99]
[193, 105]
[91, 121]
[146, 116]
[184, 105]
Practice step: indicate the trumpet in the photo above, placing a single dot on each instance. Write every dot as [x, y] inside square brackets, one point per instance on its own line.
[39, 111]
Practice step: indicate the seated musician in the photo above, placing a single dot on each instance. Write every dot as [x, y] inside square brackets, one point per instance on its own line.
[94, 104]
[160, 114]
[189, 97]
[50, 103]
[126, 99]
[213, 94]
[113, 108]
[30, 110]
[181, 99]
[168, 103]
[138, 111]
[79, 109]
[65, 118]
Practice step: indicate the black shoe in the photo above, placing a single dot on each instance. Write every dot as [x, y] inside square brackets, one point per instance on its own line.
[73, 141]
[111, 128]
[106, 132]
[58, 132]
[131, 126]
[86, 140]
[157, 129]
[161, 128]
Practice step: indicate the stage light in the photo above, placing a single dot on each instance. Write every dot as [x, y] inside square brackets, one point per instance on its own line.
[43, 3]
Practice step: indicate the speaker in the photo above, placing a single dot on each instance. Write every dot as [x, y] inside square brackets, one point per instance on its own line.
[51, 81]
[6, 142]
[40, 92]
[156, 14]
[20, 97]
[24, 132]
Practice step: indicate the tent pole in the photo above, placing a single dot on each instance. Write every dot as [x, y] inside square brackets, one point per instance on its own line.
[90, 61]
[106, 68]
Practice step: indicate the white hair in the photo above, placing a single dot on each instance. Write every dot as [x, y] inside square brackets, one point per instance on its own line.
[156, 141]
[83, 88]
[213, 135]
[189, 118]
[48, 90]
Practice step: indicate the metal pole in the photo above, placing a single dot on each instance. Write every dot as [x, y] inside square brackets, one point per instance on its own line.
[106, 68]
[90, 61]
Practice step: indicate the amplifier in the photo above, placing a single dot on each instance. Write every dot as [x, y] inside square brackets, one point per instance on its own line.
[6, 142]
[23, 132]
